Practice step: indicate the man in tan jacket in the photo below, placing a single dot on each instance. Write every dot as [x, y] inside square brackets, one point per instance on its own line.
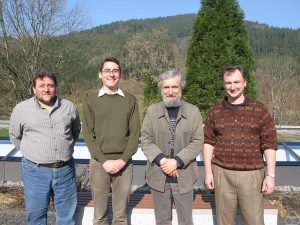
[172, 137]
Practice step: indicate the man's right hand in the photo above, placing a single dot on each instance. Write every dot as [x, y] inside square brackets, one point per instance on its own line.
[110, 166]
[209, 181]
[163, 166]
[174, 174]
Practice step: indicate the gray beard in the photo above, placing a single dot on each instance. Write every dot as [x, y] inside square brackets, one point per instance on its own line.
[172, 102]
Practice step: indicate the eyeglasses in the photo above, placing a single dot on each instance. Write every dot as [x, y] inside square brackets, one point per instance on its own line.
[108, 71]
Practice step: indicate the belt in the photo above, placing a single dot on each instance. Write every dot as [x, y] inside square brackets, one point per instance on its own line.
[54, 165]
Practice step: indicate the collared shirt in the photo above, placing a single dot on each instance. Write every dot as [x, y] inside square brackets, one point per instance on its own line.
[43, 136]
[118, 92]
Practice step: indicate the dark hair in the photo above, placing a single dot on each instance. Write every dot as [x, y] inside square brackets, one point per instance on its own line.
[109, 59]
[42, 74]
[232, 68]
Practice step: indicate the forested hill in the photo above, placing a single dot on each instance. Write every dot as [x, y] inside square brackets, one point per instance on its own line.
[178, 26]
[91, 45]
[75, 57]
[264, 39]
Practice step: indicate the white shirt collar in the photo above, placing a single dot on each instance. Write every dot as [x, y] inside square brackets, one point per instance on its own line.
[118, 92]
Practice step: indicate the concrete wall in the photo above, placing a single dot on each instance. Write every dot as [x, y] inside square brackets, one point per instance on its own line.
[286, 175]
[10, 171]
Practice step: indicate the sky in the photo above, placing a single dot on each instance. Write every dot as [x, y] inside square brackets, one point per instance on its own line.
[276, 13]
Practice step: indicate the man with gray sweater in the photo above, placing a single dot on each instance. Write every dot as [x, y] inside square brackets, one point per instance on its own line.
[45, 129]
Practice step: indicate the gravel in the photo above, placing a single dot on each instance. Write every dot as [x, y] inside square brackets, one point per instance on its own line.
[12, 206]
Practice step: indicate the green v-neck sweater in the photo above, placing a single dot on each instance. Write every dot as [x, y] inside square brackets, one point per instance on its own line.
[111, 126]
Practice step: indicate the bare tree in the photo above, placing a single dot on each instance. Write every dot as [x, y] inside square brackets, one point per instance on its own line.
[149, 53]
[26, 30]
[277, 82]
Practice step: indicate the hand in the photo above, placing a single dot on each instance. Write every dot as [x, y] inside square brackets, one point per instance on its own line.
[209, 181]
[119, 164]
[169, 166]
[110, 166]
[174, 174]
[163, 161]
[268, 185]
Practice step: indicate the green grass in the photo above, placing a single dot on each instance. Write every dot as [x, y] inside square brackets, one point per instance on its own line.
[3, 132]
[284, 138]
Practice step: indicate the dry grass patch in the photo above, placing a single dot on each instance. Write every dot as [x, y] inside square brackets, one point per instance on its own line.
[286, 202]
[11, 197]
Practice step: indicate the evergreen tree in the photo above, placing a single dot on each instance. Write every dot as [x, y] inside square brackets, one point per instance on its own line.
[219, 39]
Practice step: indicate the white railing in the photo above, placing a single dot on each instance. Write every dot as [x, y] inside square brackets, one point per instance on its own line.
[5, 124]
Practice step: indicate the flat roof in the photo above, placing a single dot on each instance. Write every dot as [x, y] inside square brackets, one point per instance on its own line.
[287, 152]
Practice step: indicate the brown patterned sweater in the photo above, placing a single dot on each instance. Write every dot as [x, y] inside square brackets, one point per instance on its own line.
[240, 134]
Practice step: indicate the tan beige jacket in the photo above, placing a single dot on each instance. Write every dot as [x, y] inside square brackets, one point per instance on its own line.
[155, 139]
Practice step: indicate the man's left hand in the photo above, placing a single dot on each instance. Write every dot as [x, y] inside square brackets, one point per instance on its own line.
[268, 185]
[169, 166]
[119, 164]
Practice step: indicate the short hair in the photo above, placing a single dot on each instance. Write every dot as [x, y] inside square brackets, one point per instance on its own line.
[170, 74]
[41, 74]
[232, 68]
[109, 59]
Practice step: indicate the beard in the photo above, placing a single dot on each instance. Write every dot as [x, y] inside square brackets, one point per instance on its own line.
[172, 102]
[49, 102]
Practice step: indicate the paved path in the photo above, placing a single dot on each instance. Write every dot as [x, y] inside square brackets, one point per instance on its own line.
[17, 217]
[13, 217]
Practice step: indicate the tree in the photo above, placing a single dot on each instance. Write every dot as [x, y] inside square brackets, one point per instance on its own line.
[219, 39]
[148, 55]
[278, 86]
[27, 28]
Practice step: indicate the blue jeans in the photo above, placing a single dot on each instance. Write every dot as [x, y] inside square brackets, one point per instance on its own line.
[42, 183]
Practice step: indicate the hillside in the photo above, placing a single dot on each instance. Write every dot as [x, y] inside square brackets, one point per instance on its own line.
[86, 48]
[110, 39]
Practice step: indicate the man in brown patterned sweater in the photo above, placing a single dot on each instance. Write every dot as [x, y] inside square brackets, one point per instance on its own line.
[238, 132]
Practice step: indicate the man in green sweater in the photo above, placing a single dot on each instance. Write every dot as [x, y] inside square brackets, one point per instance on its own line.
[111, 128]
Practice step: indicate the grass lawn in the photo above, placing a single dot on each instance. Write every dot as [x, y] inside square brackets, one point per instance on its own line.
[3, 132]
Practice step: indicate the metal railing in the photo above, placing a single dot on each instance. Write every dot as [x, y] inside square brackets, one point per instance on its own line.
[4, 123]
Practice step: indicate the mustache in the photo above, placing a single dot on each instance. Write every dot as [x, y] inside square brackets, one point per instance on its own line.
[169, 99]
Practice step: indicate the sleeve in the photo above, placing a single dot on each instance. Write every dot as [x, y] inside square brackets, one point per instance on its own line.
[88, 128]
[15, 128]
[134, 132]
[179, 161]
[268, 135]
[76, 125]
[192, 150]
[209, 131]
[150, 149]
[158, 158]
